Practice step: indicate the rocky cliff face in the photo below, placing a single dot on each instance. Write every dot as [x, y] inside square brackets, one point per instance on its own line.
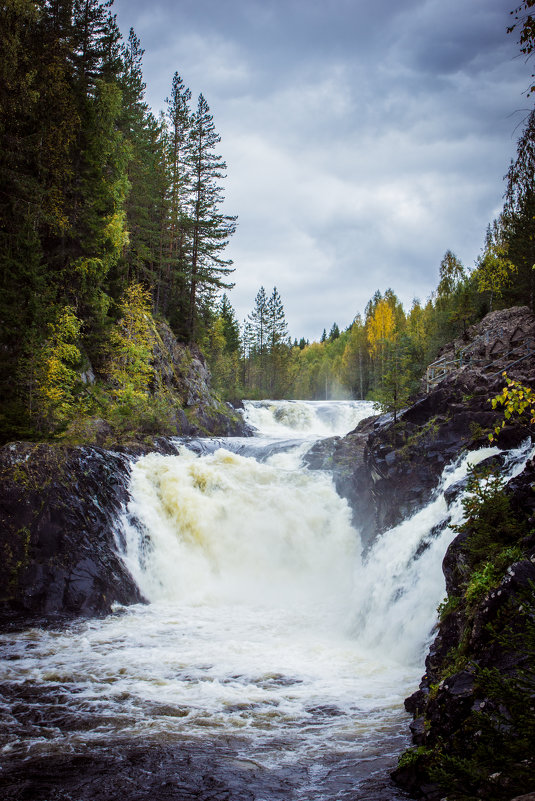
[387, 471]
[474, 713]
[179, 401]
[182, 371]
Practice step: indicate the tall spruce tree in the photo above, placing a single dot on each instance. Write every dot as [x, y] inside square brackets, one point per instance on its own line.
[210, 229]
[231, 328]
[519, 215]
[259, 321]
[277, 328]
[277, 339]
[178, 249]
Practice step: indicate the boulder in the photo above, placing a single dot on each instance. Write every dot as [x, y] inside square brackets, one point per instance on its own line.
[59, 510]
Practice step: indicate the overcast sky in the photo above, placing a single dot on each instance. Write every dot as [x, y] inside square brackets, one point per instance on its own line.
[363, 138]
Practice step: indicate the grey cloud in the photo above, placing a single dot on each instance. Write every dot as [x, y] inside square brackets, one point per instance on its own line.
[362, 140]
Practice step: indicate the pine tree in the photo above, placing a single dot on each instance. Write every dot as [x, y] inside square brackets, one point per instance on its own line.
[210, 230]
[96, 54]
[145, 205]
[279, 350]
[259, 321]
[494, 270]
[334, 333]
[231, 328]
[519, 216]
[179, 157]
[276, 327]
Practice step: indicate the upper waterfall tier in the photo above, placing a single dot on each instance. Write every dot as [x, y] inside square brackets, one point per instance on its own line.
[306, 419]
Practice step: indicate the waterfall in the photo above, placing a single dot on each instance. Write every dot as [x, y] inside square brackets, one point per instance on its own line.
[306, 419]
[401, 581]
[226, 527]
[268, 633]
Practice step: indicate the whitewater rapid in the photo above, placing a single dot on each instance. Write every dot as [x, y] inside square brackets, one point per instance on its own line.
[267, 632]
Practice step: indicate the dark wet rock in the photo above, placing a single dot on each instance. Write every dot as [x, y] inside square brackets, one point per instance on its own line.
[490, 633]
[388, 471]
[418, 731]
[58, 527]
[416, 702]
[185, 770]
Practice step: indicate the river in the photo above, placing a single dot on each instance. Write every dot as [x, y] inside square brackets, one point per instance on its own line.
[273, 658]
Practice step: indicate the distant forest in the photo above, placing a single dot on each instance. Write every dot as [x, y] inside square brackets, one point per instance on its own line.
[111, 219]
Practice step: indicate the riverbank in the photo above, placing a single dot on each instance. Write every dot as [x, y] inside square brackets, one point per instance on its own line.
[473, 726]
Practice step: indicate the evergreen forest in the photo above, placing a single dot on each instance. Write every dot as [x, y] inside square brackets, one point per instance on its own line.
[111, 220]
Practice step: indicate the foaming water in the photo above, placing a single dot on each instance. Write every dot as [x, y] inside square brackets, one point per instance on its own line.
[266, 632]
[228, 528]
[401, 578]
[306, 419]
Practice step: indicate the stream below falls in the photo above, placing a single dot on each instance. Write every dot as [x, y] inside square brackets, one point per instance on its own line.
[273, 658]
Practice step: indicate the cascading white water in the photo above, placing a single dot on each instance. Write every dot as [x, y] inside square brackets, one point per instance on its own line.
[265, 623]
[228, 528]
[401, 580]
[306, 419]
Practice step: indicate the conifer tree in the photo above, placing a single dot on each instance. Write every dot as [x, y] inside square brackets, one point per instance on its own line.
[494, 270]
[231, 328]
[334, 333]
[210, 229]
[179, 157]
[259, 321]
[519, 216]
[279, 350]
[145, 205]
[276, 327]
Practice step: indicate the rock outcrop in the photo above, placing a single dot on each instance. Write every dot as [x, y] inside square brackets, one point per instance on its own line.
[503, 340]
[474, 715]
[182, 371]
[59, 508]
[387, 471]
[180, 401]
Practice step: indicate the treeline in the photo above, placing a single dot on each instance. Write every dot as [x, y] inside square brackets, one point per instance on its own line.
[383, 354]
[103, 207]
[111, 218]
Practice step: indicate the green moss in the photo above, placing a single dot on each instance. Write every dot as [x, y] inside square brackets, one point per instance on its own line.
[448, 605]
[413, 756]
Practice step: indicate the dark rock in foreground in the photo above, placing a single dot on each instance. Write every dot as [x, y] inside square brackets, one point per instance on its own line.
[58, 515]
